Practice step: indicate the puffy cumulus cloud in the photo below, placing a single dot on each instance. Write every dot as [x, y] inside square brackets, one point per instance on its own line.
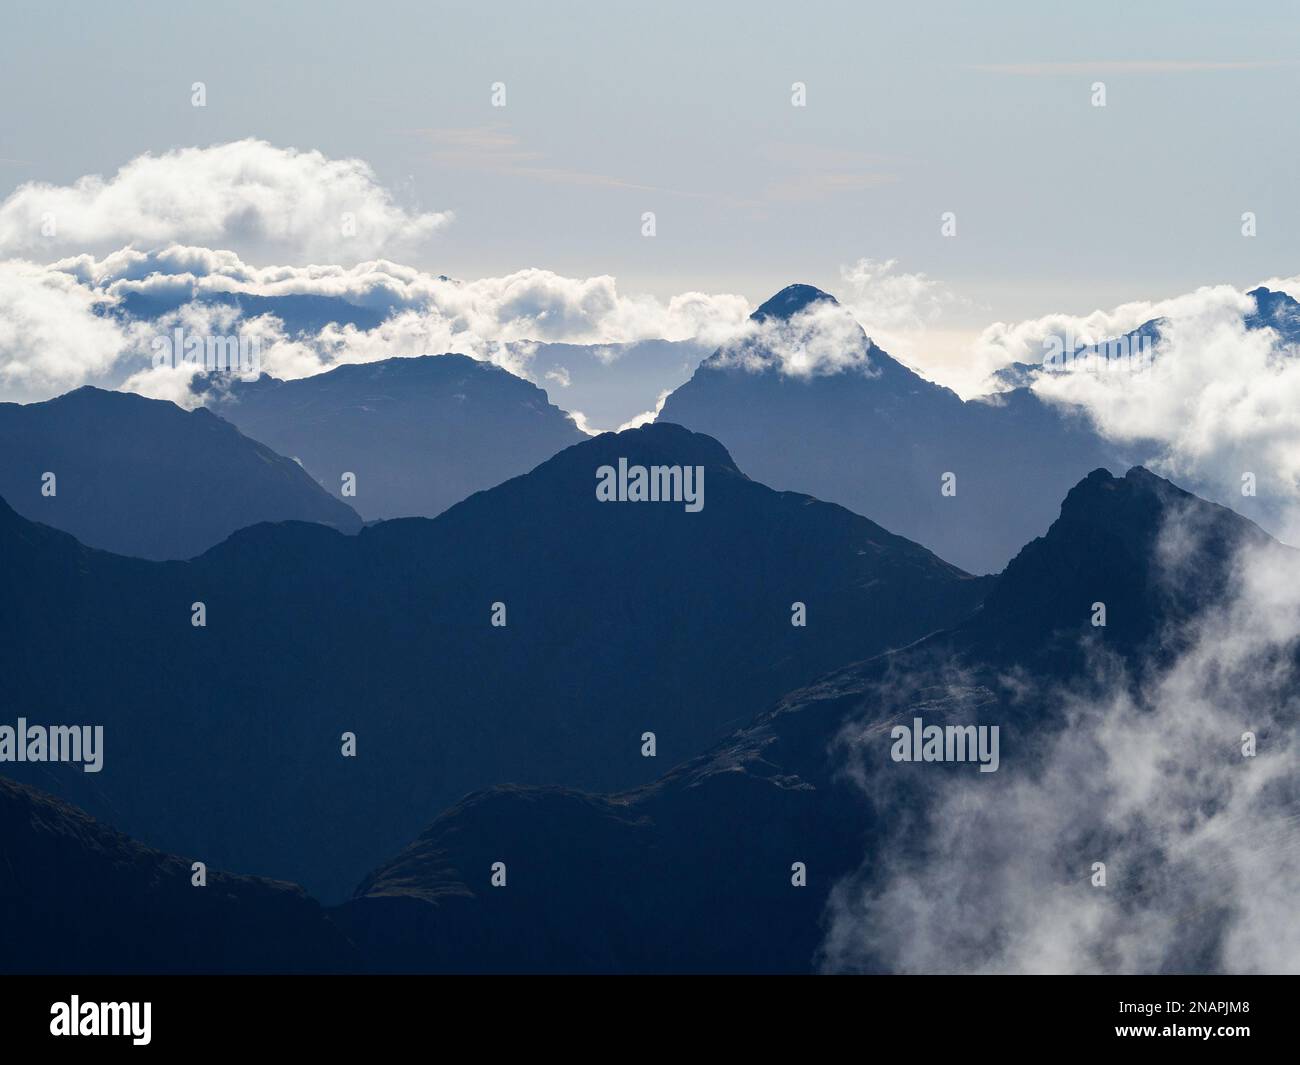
[1033, 341]
[154, 350]
[246, 194]
[1217, 401]
[531, 304]
[172, 267]
[1201, 844]
[891, 305]
[821, 339]
[495, 319]
[289, 356]
[539, 305]
[53, 335]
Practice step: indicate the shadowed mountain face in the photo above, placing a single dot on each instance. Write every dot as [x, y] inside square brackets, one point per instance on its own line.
[79, 897]
[693, 873]
[143, 477]
[621, 618]
[1111, 544]
[878, 438]
[420, 434]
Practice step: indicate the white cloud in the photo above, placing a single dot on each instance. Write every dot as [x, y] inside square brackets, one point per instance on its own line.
[247, 194]
[580, 420]
[530, 304]
[51, 336]
[1201, 845]
[892, 306]
[910, 316]
[1217, 401]
[1031, 341]
[494, 319]
[821, 339]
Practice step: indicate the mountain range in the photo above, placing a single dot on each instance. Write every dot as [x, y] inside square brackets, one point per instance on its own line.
[143, 477]
[668, 725]
[880, 439]
[225, 740]
[418, 434]
[971, 480]
[693, 872]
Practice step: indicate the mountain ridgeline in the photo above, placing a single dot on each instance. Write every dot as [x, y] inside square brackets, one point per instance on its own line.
[655, 694]
[693, 872]
[143, 477]
[79, 897]
[418, 434]
[879, 439]
[225, 739]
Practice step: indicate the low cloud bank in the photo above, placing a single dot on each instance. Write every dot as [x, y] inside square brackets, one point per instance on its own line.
[1201, 844]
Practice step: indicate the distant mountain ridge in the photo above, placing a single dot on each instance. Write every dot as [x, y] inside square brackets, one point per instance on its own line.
[144, 477]
[420, 434]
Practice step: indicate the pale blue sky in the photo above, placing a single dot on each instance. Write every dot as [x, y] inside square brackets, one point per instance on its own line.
[684, 109]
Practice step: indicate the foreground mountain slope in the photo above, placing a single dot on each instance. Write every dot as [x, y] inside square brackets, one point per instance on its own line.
[226, 740]
[693, 872]
[420, 434]
[79, 897]
[143, 477]
[863, 430]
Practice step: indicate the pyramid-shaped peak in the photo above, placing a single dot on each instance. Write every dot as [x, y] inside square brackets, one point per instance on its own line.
[790, 301]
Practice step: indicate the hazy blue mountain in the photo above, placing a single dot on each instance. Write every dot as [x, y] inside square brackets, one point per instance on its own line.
[143, 477]
[879, 440]
[225, 741]
[419, 433]
[692, 872]
[78, 897]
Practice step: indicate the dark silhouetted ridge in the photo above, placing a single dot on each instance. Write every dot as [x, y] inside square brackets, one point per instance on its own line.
[78, 897]
[224, 740]
[692, 873]
[144, 477]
